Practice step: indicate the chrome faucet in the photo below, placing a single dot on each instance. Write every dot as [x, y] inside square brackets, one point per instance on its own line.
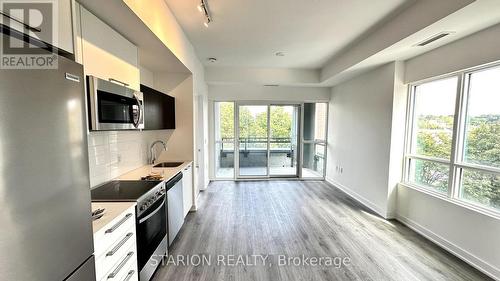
[152, 156]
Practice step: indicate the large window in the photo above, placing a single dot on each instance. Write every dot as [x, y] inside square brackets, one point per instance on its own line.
[224, 140]
[460, 161]
[314, 143]
[432, 132]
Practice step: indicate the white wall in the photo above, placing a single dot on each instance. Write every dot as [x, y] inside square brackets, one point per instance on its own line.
[147, 76]
[471, 235]
[161, 21]
[181, 142]
[476, 49]
[257, 92]
[261, 76]
[466, 233]
[359, 137]
[112, 154]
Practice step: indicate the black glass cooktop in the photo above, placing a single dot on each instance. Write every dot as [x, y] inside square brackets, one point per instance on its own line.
[122, 190]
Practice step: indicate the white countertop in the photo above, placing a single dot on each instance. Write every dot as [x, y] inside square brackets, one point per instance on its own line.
[112, 210]
[166, 173]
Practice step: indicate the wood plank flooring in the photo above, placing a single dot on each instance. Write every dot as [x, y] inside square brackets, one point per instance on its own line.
[310, 218]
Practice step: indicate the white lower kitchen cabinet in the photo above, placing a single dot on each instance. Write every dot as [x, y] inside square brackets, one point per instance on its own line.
[115, 247]
[187, 185]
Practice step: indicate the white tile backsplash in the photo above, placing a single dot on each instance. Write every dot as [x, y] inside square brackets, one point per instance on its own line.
[112, 154]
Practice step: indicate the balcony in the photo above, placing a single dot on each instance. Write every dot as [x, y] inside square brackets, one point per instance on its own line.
[253, 158]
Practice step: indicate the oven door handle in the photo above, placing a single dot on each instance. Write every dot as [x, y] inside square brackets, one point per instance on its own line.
[154, 212]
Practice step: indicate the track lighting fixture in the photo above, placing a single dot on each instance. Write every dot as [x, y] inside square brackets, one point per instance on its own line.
[203, 8]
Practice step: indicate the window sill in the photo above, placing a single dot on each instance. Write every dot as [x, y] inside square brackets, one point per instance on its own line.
[464, 204]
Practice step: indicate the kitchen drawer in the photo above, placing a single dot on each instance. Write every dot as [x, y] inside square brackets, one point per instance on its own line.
[120, 271]
[131, 274]
[115, 253]
[111, 234]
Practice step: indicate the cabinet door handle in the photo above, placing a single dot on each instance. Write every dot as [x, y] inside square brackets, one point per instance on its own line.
[118, 82]
[27, 26]
[120, 266]
[114, 227]
[119, 245]
[129, 275]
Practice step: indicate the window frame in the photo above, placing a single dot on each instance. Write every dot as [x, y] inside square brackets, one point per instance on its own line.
[313, 142]
[456, 162]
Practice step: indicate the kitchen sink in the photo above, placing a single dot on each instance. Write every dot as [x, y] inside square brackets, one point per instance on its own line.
[168, 165]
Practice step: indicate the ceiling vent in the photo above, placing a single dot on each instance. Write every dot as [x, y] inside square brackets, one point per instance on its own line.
[433, 39]
[271, 85]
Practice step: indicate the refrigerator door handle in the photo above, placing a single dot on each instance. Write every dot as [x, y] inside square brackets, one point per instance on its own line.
[122, 221]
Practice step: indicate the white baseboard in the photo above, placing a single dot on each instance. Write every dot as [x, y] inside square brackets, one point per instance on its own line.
[367, 203]
[464, 255]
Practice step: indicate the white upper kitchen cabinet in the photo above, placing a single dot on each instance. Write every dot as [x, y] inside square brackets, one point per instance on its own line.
[187, 187]
[42, 26]
[106, 53]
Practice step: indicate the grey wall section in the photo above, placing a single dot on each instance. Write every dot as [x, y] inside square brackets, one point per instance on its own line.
[360, 137]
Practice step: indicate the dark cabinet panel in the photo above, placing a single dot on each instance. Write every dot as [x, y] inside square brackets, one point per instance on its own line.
[159, 109]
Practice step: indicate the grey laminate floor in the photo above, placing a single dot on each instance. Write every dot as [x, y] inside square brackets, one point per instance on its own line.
[293, 218]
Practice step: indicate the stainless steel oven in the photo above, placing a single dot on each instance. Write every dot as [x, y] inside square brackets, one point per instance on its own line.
[113, 106]
[152, 237]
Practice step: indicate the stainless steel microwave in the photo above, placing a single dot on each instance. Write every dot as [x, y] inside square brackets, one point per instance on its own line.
[113, 107]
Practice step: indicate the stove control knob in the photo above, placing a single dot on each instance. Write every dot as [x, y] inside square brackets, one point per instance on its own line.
[142, 207]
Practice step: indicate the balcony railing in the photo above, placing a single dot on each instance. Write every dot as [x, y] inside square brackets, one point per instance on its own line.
[253, 153]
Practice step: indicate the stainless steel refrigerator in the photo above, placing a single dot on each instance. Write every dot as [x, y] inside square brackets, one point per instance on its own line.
[45, 217]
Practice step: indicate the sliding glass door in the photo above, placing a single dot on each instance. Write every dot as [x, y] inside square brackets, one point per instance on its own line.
[253, 141]
[314, 140]
[283, 142]
[267, 140]
[224, 140]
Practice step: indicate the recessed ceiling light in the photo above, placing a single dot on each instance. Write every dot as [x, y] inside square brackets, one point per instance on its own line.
[212, 60]
[279, 54]
[206, 23]
[200, 8]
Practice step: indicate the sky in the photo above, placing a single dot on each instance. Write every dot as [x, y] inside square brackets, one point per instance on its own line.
[438, 97]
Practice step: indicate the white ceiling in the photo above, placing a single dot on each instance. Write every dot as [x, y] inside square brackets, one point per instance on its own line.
[249, 33]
